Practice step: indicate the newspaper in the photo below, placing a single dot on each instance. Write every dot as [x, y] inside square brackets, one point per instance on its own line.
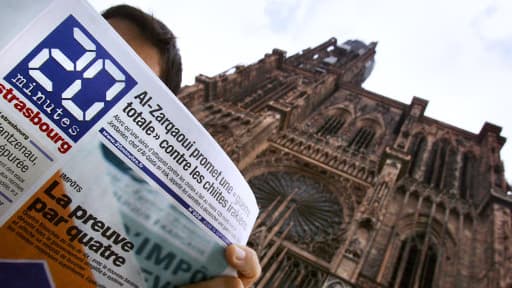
[106, 179]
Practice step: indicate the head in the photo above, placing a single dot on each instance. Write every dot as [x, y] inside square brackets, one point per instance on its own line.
[151, 39]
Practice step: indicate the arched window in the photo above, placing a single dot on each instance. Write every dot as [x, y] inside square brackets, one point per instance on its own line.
[362, 139]
[441, 165]
[416, 150]
[467, 174]
[416, 263]
[331, 121]
[331, 126]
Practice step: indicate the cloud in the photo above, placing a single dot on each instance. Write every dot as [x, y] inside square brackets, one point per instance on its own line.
[494, 21]
[494, 30]
[281, 14]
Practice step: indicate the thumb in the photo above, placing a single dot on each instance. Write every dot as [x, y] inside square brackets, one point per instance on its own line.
[245, 261]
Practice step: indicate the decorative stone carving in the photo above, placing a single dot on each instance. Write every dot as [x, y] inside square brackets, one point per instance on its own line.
[317, 219]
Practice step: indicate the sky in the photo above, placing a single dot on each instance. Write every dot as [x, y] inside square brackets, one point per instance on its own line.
[457, 54]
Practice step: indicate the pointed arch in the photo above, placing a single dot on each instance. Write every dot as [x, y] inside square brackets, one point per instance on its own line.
[440, 170]
[376, 121]
[362, 139]
[335, 120]
[416, 149]
[467, 174]
[408, 271]
[369, 128]
[420, 250]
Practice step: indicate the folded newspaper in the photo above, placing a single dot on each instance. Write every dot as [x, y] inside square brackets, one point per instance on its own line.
[106, 179]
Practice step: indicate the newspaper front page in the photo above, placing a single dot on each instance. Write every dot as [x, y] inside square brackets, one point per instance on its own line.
[106, 179]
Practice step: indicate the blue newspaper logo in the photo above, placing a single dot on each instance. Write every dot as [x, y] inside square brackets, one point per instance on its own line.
[70, 78]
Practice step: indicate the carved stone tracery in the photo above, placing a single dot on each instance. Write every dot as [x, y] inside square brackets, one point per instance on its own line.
[318, 222]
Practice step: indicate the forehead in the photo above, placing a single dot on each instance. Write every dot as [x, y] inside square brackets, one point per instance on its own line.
[132, 35]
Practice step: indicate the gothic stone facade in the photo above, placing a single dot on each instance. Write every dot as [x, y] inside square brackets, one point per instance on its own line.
[357, 189]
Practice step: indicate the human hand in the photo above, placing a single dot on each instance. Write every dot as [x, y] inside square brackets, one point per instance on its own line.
[245, 261]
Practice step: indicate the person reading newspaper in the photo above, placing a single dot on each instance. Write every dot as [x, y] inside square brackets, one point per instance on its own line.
[154, 42]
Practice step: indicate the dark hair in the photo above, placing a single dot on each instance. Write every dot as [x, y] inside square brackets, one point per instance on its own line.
[159, 36]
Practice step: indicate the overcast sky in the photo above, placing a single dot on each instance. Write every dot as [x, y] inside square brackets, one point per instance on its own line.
[456, 54]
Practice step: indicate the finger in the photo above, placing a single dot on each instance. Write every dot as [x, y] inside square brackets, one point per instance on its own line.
[245, 261]
[222, 281]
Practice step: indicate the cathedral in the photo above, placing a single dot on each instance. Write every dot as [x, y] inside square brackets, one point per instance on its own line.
[357, 189]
